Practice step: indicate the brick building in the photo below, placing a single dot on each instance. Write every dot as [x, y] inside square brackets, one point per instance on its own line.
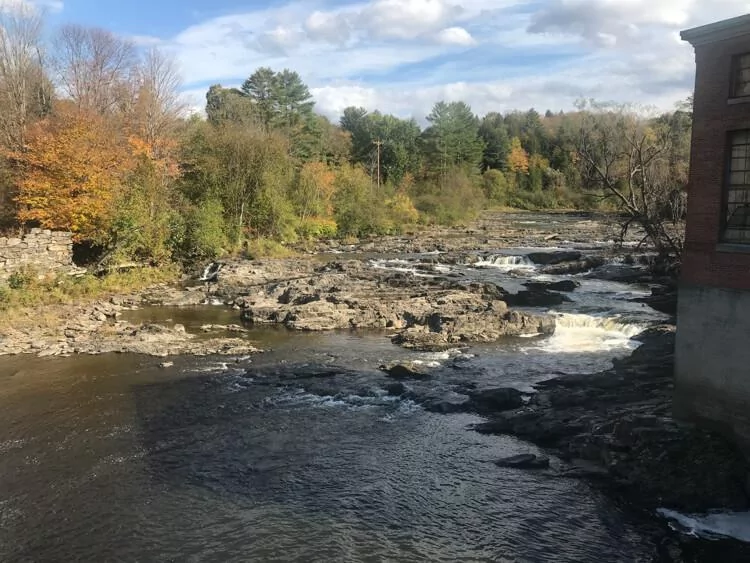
[713, 325]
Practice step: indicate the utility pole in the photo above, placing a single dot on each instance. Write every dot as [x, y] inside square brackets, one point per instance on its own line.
[378, 144]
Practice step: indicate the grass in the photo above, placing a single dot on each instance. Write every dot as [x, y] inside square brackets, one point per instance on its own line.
[27, 297]
[267, 248]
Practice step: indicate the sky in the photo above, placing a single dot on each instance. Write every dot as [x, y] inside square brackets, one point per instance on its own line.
[402, 56]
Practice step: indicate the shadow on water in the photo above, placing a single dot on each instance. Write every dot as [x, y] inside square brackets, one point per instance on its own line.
[308, 480]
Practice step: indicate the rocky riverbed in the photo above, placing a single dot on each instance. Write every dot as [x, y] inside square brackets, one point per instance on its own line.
[548, 287]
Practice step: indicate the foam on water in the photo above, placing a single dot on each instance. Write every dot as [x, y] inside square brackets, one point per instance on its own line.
[506, 262]
[711, 526]
[575, 333]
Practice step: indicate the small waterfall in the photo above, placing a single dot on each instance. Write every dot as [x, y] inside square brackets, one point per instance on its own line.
[211, 272]
[506, 262]
[587, 333]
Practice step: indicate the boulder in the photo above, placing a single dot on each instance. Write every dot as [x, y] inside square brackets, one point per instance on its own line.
[395, 389]
[496, 400]
[552, 258]
[535, 298]
[564, 285]
[524, 461]
[406, 370]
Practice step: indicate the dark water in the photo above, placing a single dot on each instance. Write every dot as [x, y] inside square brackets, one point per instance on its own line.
[112, 459]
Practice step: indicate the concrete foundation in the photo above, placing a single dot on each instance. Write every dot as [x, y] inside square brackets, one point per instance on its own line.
[712, 384]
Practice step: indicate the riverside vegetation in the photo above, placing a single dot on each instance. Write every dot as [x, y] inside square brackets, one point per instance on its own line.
[94, 139]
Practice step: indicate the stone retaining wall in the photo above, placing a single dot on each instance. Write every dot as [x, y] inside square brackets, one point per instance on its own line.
[43, 250]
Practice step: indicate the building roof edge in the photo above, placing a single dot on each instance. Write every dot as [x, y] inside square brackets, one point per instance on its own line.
[717, 31]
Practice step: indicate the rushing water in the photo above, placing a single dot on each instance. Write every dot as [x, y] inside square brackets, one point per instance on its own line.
[111, 458]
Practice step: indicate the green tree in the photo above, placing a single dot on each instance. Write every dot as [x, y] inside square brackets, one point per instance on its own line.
[452, 140]
[494, 133]
[228, 105]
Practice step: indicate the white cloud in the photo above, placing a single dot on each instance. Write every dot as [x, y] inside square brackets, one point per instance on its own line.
[455, 36]
[333, 28]
[407, 19]
[401, 56]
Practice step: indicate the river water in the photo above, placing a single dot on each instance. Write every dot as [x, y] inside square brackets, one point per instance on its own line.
[111, 458]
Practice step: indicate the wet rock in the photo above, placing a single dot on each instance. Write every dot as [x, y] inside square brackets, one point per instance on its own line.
[620, 422]
[662, 300]
[553, 258]
[564, 285]
[496, 400]
[395, 389]
[524, 461]
[535, 298]
[407, 370]
[585, 264]
[621, 273]
[447, 404]
[165, 365]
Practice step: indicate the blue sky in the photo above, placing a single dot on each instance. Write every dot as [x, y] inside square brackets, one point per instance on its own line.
[402, 56]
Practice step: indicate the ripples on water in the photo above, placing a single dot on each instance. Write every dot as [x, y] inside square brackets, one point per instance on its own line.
[108, 458]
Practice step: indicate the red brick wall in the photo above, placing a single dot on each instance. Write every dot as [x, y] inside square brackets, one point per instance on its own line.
[703, 264]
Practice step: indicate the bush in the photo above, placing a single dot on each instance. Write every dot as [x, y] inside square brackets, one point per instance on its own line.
[401, 210]
[495, 187]
[23, 278]
[266, 248]
[205, 238]
[356, 209]
[317, 228]
[455, 199]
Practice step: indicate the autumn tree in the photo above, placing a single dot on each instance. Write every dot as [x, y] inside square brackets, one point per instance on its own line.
[94, 68]
[518, 158]
[73, 167]
[629, 158]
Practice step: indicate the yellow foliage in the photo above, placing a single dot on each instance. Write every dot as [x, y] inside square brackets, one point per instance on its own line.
[518, 159]
[73, 166]
[401, 209]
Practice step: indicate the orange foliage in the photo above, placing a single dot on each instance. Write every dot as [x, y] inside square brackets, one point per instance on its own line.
[73, 166]
[518, 159]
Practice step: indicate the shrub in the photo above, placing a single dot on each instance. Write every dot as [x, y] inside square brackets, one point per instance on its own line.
[23, 278]
[266, 248]
[205, 238]
[317, 228]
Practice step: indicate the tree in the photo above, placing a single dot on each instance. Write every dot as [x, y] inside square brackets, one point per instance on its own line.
[247, 170]
[518, 159]
[74, 165]
[25, 90]
[95, 68]
[397, 138]
[494, 133]
[229, 105]
[261, 89]
[281, 99]
[158, 106]
[627, 157]
[452, 140]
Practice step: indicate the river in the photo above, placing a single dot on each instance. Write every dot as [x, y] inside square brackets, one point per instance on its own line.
[111, 458]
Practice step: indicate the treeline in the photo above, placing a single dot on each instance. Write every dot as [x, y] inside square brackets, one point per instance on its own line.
[94, 139]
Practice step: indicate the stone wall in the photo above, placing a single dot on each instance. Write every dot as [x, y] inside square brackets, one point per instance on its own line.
[43, 250]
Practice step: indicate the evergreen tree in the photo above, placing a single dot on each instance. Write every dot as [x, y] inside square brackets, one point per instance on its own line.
[452, 140]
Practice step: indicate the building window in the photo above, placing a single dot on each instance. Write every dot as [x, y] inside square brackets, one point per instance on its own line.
[741, 76]
[737, 218]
